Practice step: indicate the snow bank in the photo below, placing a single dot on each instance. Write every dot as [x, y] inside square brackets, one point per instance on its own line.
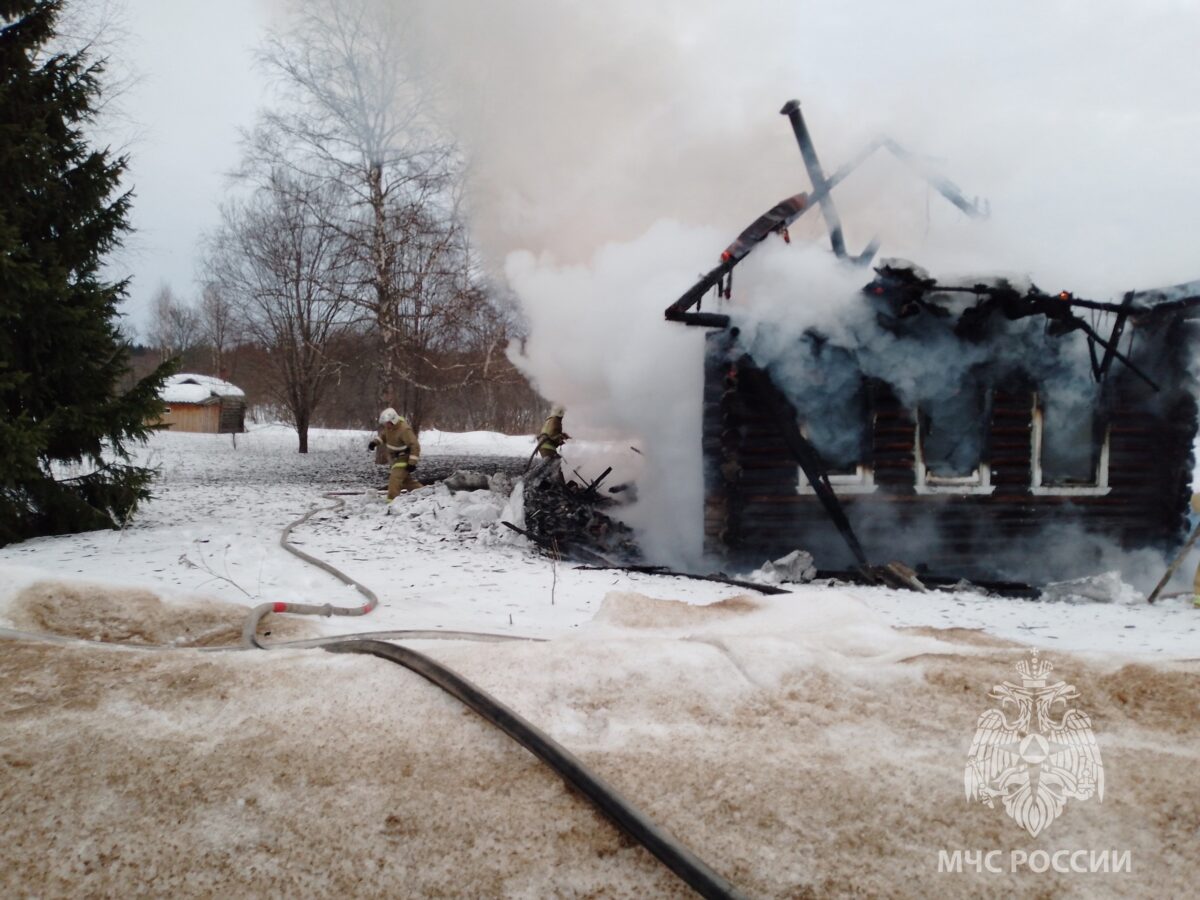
[279, 437]
[461, 512]
[1107, 587]
[124, 615]
[476, 443]
[800, 746]
[212, 530]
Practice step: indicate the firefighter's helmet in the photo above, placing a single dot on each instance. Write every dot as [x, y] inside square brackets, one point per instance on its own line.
[389, 417]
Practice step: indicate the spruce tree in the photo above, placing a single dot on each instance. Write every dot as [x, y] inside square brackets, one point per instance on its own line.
[65, 424]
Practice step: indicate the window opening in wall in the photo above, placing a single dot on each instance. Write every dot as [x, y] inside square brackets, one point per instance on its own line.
[844, 477]
[951, 437]
[1070, 447]
[836, 419]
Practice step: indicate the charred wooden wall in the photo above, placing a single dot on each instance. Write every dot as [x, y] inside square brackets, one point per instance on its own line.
[755, 511]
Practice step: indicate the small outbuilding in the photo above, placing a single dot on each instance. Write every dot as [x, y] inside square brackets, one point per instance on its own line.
[202, 403]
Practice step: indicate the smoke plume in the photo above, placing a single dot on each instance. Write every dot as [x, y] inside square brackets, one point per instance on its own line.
[588, 125]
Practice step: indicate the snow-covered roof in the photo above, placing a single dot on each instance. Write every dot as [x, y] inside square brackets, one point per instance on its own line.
[185, 388]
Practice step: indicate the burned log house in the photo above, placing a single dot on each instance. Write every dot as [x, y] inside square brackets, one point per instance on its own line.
[1048, 431]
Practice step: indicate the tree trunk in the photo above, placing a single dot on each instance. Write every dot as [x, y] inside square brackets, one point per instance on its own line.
[386, 318]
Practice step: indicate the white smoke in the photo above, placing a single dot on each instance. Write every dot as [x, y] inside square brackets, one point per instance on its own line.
[785, 294]
[599, 345]
[587, 123]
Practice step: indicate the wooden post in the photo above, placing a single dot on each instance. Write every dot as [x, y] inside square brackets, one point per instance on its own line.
[1174, 565]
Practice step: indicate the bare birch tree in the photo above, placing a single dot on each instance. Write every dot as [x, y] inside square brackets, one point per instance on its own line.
[355, 112]
[218, 325]
[283, 267]
[174, 324]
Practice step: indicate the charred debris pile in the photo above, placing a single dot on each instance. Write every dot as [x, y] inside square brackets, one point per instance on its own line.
[566, 518]
[986, 430]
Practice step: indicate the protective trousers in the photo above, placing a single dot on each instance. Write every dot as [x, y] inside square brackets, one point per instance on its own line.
[401, 479]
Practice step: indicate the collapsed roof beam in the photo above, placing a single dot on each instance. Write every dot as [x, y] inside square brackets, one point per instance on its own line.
[1101, 368]
[940, 183]
[762, 391]
[821, 188]
[1179, 300]
[1111, 352]
[777, 219]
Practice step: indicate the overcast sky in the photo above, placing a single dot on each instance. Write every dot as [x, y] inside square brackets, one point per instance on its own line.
[198, 86]
[586, 122]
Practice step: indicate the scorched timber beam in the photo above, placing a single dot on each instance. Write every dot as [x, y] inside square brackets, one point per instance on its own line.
[761, 391]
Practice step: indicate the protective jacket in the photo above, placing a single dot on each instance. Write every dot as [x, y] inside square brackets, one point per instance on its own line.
[551, 437]
[401, 441]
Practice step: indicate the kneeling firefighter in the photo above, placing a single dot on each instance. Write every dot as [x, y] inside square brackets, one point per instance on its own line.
[403, 448]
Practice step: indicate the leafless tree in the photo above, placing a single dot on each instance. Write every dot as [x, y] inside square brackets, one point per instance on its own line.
[352, 115]
[101, 28]
[283, 267]
[355, 112]
[174, 324]
[218, 325]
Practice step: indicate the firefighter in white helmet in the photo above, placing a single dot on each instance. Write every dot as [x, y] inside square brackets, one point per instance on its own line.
[403, 449]
[552, 435]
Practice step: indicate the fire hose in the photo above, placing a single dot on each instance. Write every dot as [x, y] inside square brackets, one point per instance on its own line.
[250, 629]
[606, 799]
[603, 796]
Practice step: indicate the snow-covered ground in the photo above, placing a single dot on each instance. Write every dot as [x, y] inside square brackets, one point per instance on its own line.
[805, 744]
[445, 562]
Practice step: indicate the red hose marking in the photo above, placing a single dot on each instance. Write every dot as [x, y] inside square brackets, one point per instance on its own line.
[279, 607]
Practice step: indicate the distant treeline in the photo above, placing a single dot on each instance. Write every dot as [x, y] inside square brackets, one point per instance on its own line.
[499, 399]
